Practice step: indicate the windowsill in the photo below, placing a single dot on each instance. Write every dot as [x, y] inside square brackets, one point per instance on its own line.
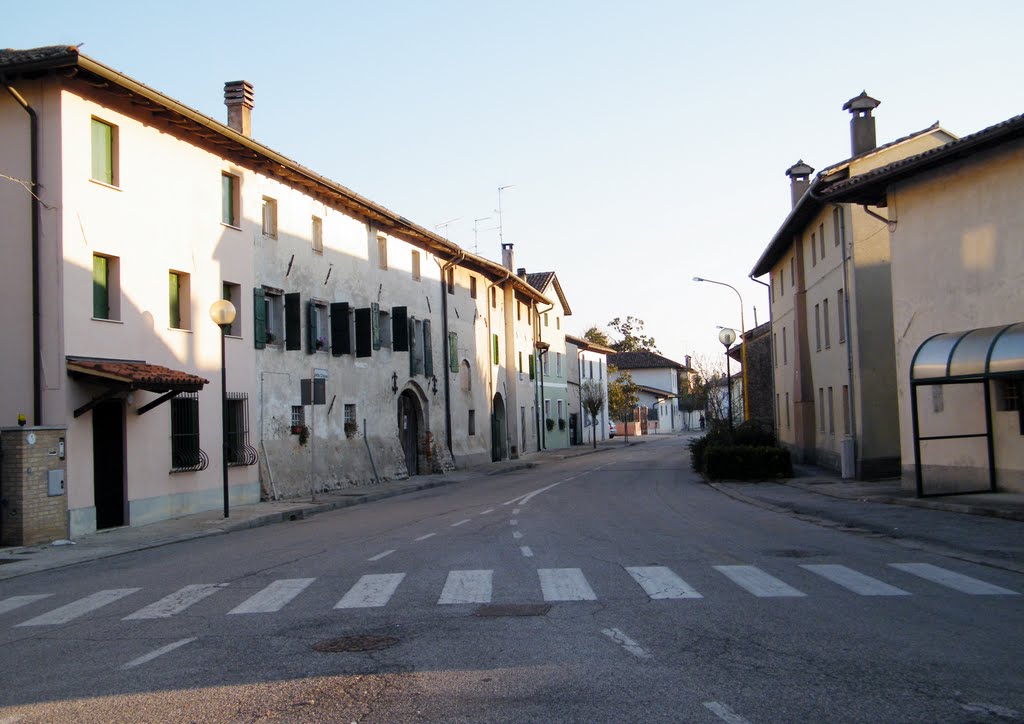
[231, 226]
[179, 329]
[273, 237]
[110, 321]
[104, 184]
[233, 336]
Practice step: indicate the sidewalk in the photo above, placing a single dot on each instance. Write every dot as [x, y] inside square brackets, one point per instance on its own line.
[20, 561]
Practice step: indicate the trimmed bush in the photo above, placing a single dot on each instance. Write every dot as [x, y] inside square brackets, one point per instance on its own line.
[745, 462]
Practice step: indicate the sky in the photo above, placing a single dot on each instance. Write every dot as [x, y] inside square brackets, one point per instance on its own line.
[642, 143]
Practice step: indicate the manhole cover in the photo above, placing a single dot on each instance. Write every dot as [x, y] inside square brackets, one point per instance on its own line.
[494, 610]
[355, 643]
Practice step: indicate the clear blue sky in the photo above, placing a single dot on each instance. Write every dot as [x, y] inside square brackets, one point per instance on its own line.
[646, 141]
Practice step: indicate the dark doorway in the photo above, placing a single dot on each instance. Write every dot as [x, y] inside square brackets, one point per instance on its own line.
[574, 428]
[499, 436]
[409, 430]
[109, 492]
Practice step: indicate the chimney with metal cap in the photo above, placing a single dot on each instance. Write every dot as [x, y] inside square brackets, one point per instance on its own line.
[862, 125]
[521, 272]
[238, 97]
[799, 179]
[507, 256]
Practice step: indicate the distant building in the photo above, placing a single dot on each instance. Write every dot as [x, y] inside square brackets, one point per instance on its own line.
[659, 380]
[591, 368]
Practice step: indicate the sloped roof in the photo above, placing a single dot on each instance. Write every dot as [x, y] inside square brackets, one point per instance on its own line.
[136, 375]
[541, 280]
[586, 344]
[642, 361]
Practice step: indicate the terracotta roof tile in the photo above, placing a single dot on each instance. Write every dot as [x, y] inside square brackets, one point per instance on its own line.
[137, 375]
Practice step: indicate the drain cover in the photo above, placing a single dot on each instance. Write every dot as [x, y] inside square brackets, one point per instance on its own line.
[494, 610]
[355, 643]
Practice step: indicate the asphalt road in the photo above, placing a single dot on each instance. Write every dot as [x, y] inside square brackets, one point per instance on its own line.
[608, 587]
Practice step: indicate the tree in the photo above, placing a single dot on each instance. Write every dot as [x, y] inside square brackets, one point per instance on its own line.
[633, 339]
[693, 395]
[712, 387]
[592, 400]
[597, 336]
[622, 395]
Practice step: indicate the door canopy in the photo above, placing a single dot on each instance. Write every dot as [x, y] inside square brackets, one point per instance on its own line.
[975, 354]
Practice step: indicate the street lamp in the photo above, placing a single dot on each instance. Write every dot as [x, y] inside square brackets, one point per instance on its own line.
[743, 347]
[727, 337]
[222, 312]
[542, 349]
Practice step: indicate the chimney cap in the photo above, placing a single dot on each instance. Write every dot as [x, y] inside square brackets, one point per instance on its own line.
[238, 93]
[863, 102]
[799, 169]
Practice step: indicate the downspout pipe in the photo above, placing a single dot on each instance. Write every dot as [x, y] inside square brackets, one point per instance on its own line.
[849, 330]
[447, 340]
[37, 358]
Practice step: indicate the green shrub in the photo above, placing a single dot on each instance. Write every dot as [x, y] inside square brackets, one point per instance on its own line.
[746, 462]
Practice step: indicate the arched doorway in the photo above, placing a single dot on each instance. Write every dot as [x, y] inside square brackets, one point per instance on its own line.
[499, 435]
[410, 429]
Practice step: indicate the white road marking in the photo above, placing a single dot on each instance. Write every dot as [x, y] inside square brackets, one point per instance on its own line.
[461, 522]
[515, 512]
[854, 581]
[527, 553]
[565, 584]
[626, 642]
[524, 499]
[951, 579]
[80, 607]
[177, 601]
[274, 597]
[660, 582]
[513, 522]
[725, 713]
[516, 534]
[371, 591]
[159, 652]
[489, 510]
[757, 582]
[9, 604]
[424, 537]
[993, 710]
[467, 587]
[385, 554]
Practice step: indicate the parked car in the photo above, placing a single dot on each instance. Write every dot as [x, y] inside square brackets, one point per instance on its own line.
[611, 429]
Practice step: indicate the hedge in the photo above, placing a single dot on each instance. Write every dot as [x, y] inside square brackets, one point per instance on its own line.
[744, 462]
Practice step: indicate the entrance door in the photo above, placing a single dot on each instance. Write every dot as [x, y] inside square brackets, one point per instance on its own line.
[499, 437]
[574, 428]
[109, 492]
[408, 431]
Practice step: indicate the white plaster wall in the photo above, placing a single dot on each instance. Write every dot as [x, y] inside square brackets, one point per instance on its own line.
[600, 376]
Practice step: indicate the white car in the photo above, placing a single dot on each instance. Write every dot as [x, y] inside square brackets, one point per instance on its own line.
[611, 429]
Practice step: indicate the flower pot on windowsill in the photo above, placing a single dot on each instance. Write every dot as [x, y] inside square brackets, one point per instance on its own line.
[297, 429]
[561, 424]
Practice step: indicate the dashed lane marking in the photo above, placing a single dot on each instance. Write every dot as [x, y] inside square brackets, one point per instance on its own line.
[527, 553]
[157, 653]
[626, 642]
[424, 537]
[461, 522]
[724, 713]
[385, 554]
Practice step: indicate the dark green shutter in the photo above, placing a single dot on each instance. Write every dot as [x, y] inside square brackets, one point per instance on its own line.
[532, 368]
[453, 351]
[494, 345]
[400, 329]
[259, 316]
[412, 347]
[100, 290]
[364, 347]
[174, 310]
[227, 203]
[293, 321]
[311, 328]
[375, 325]
[102, 152]
[341, 341]
[428, 350]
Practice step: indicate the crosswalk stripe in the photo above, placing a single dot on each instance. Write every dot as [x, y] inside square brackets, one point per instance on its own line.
[9, 604]
[853, 580]
[951, 579]
[757, 582]
[467, 587]
[660, 582]
[274, 597]
[372, 590]
[80, 607]
[565, 584]
[177, 601]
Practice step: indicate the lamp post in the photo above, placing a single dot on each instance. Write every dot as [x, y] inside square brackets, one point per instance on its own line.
[222, 312]
[727, 337]
[542, 349]
[743, 348]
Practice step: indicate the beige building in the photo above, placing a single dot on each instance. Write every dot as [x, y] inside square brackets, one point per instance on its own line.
[955, 220]
[831, 312]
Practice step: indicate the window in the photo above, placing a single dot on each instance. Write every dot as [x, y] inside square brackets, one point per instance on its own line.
[1007, 395]
[558, 322]
[558, 365]
[831, 414]
[298, 416]
[350, 414]
[317, 234]
[385, 328]
[186, 455]
[785, 348]
[792, 271]
[233, 293]
[229, 198]
[775, 344]
[520, 355]
[600, 370]
[547, 363]
[787, 410]
[494, 349]
[415, 265]
[269, 217]
[547, 409]
[560, 416]
[451, 281]
[106, 287]
[178, 301]
[494, 297]
[840, 313]
[466, 380]
[236, 429]
[821, 239]
[104, 153]
[545, 319]
[453, 351]
[837, 225]
[533, 366]
[778, 410]
[382, 252]
[319, 323]
[846, 409]
[782, 284]
[817, 326]
[519, 310]
[471, 422]
[472, 287]
[814, 249]
[591, 369]
[828, 332]
[821, 409]
[272, 303]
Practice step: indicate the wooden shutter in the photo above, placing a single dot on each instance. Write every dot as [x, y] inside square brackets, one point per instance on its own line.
[310, 327]
[428, 350]
[494, 345]
[341, 339]
[364, 348]
[293, 321]
[532, 368]
[453, 351]
[375, 325]
[400, 329]
[100, 290]
[259, 316]
[412, 347]
[102, 152]
[174, 310]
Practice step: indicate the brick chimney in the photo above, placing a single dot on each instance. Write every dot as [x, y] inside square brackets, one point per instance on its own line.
[799, 179]
[862, 125]
[508, 256]
[238, 98]
[521, 272]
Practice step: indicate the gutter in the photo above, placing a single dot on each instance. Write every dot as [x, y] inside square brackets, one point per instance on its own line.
[37, 359]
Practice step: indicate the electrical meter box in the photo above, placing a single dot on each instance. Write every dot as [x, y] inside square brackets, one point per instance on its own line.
[55, 480]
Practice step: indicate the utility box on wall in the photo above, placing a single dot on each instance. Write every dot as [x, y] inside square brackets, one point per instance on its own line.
[33, 494]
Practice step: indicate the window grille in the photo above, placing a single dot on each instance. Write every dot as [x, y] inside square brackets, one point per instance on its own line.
[236, 428]
[186, 455]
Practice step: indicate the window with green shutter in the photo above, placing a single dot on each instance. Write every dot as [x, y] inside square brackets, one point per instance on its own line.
[375, 325]
[428, 350]
[453, 351]
[229, 199]
[100, 288]
[532, 366]
[259, 315]
[494, 348]
[103, 152]
[174, 299]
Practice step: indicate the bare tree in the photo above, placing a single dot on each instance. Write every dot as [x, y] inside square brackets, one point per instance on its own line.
[592, 399]
[710, 382]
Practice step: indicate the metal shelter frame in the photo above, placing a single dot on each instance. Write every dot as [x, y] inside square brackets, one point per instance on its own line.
[976, 356]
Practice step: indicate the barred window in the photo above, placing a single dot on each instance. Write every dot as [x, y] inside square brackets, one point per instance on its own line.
[298, 415]
[236, 428]
[186, 455]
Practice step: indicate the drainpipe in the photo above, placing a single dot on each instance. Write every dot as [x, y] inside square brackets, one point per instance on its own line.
[37, 358]
[444, 330]
[849, 331]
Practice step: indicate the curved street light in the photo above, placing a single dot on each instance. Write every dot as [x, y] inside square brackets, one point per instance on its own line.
[222, 312]
[743, 344]
[727, 336]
